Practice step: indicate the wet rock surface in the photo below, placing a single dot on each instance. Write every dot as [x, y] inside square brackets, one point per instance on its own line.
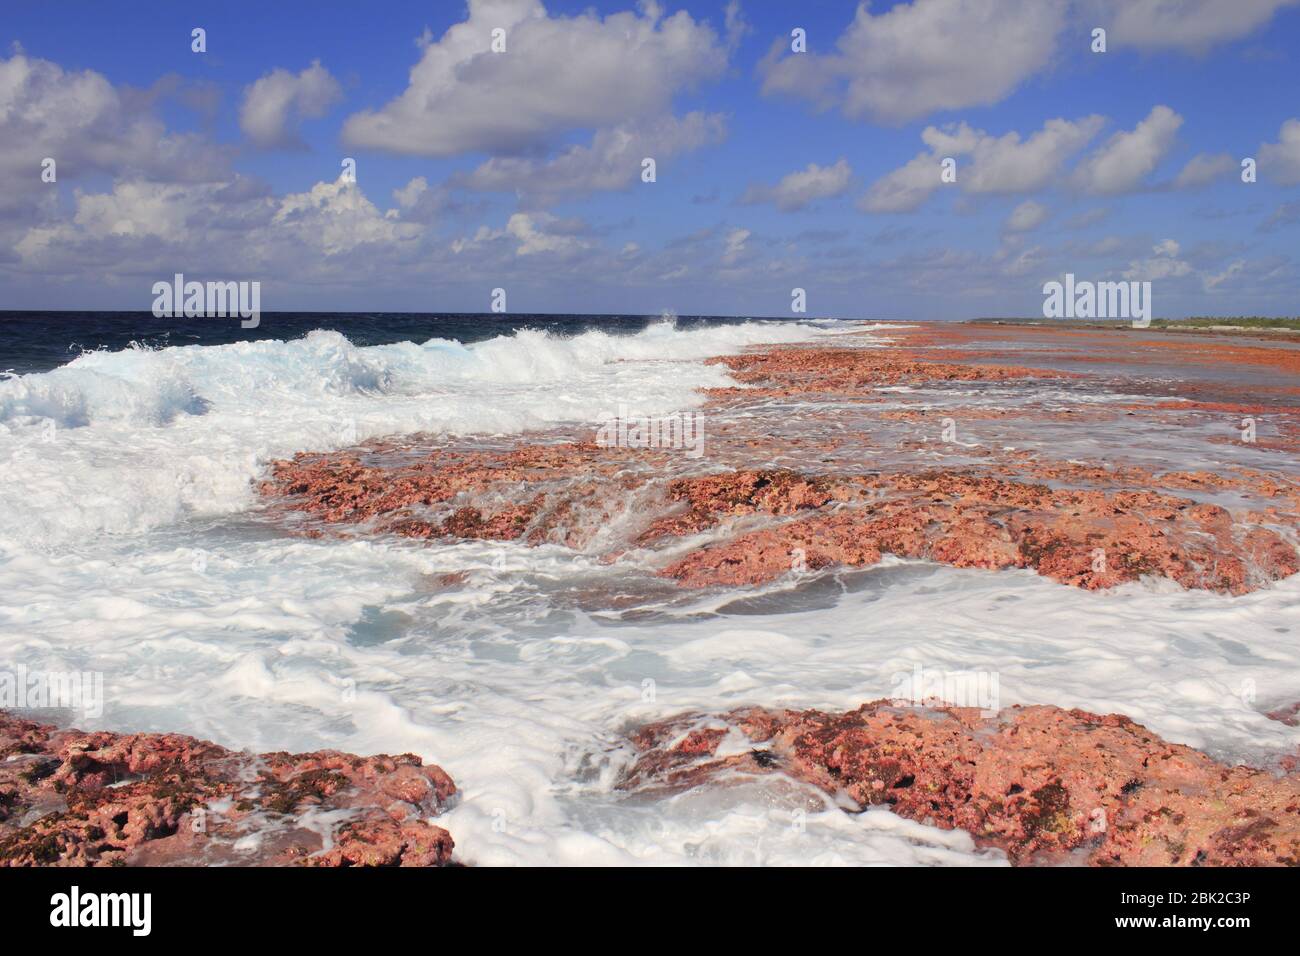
[791, 371]
[73, 798]
[1085, 524]
[1043, 784]
[858, 470]
[1086, 469]
[527, 493]
[1082, 537]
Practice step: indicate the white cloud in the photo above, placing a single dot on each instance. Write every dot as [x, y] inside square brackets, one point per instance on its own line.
[228, 226]
[735, 246]
[337, 217]
[275, 102]
[904, 189]
[997, 164]
[1233, 269]
[409, 196]
[539, 233]
[1188, 25]
[134, 209]
[1015, 261]
[86, 125]
[1281, 160]
[920, 57]
[1006, 165]
[1203, 169]
[1127, 158]
[557, 74]
[1163, 264]
[612, 160]
[1030, 214]
[529, 234]
[796, 190]
[737, 27]
[417, 201]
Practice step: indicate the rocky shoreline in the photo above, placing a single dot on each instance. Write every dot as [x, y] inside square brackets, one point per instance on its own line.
[74, 798]
[825, 456]
[764, 502]
[1045, 786]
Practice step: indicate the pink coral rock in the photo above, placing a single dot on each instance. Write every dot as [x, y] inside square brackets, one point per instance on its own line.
[69, 798]
[1041, 783]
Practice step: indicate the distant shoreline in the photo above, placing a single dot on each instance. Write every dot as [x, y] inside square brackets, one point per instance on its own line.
[1287, 333]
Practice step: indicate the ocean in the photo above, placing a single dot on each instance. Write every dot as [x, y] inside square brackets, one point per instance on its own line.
[40, 341]
[134, 545]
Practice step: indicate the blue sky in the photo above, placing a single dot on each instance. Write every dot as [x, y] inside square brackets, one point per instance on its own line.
[521, 169]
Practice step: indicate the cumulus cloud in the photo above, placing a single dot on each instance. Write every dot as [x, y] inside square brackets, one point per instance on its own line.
[1164, 263]
[87, 125]
[1002, 165]
[542, 232]
[557, 74]
[1203, 169]
[920, 57]
[906, 188]
[1122, 163]
[796, 190]
[612, 160]
[1281, 160]
[142, 226]
[410, 195]
[1006, 164]
[1030, 214]
[274, 103]
[337, 217]
[1009, 164]
[530, 234]
[1188, 25]
[417, 201]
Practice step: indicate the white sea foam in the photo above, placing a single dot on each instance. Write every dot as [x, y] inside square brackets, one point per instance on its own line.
[141, 438]
[296, 644]
[203, 621]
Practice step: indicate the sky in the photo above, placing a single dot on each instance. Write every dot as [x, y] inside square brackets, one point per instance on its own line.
[523, 167]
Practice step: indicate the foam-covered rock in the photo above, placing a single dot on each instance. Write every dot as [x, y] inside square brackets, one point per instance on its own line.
[1043, 784]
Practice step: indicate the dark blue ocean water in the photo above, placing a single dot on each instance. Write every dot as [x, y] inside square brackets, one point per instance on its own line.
[40, 341]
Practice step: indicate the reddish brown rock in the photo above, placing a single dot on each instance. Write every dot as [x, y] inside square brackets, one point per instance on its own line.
[69, 798]
[440, 493]
[1043, 784]
[1087, 538]
[712, 497]
[1289, 715]
[777, 499]
[1095, 536]
[790, 370]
